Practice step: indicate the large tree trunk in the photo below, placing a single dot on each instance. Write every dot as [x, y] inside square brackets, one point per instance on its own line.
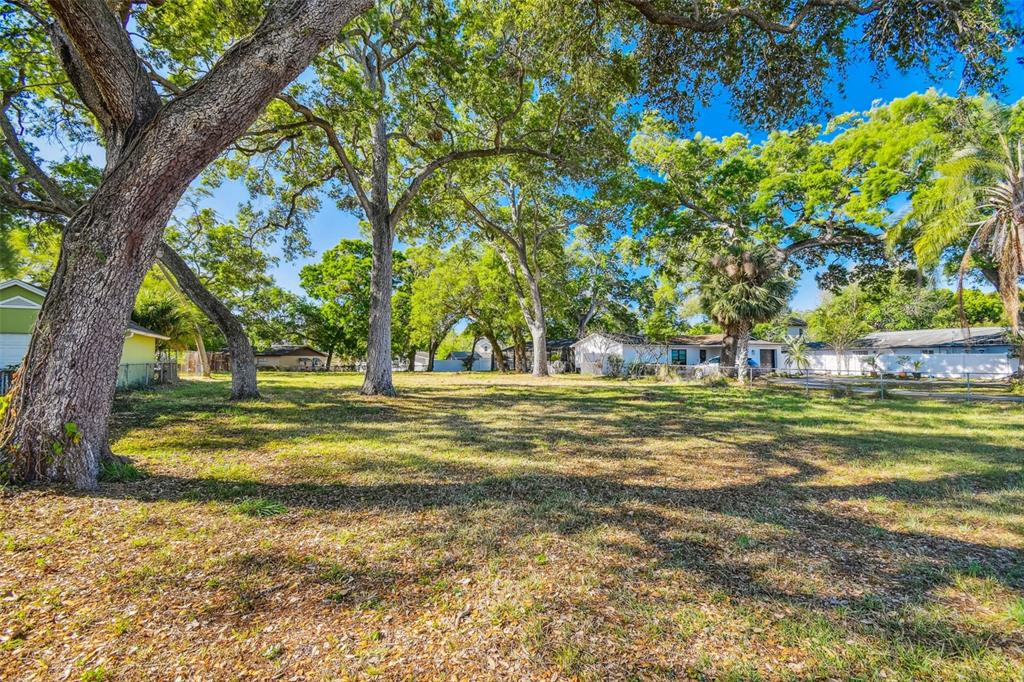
[742, 350]
[540, 353]
[378, 380]
[499, 357]
[411, 367]
[431, 354]
[243, 361]
[728, 357]
[56, 424]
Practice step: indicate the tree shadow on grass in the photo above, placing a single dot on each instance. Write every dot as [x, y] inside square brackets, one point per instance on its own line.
[676, 526]
[529, 421]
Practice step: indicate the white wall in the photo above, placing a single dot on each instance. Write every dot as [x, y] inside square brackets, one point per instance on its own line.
[938, 364]
[592, 354]
[13, 348]
[481, 364]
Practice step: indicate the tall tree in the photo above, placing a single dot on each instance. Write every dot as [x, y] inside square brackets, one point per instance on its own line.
[340, 285]
[438, 84]
[441, 296]
[976, 204]
[839, 320]
[765, 211]
[155, 146]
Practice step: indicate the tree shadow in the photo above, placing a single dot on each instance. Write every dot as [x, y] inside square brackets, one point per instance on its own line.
[677, 525]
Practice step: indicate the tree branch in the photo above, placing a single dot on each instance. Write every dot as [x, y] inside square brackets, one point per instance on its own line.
[53, 191]
[410, 192]
[724, 17]
[339, 150]
[104, 50]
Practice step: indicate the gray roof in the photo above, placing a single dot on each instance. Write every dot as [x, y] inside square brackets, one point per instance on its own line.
[932, 338]
[461, 355]
[554, 344]
[139, 329]
[275, 351]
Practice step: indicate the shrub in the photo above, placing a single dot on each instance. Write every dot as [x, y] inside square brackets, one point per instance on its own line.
[260, 507]
[120, 471]
[714, 380]
[615, 366]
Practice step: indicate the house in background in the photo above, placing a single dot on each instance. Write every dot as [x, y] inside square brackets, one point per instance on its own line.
[795, 326]
[20, 303]
[594, 352]
[291, 358]
[561, 356]
[978, 351]
[455, 361]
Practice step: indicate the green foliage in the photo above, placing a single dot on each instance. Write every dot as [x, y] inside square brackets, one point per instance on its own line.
[742, 287]
[688, 51]
[796, 351]
[260, 508]
[840, 320]
[167, 313]
[338, 321]
[97, 674]
[118, 471]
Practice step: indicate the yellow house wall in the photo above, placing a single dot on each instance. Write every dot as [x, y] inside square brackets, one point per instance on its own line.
[289, 361]
[138, 349]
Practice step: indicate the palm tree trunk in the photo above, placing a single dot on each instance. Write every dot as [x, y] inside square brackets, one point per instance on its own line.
[204, 357]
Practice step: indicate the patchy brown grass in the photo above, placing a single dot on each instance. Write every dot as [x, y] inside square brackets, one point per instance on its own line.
[505, 528]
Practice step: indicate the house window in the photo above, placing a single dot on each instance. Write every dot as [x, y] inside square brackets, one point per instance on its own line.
[927, 352]
[703, 355]
[678, 356]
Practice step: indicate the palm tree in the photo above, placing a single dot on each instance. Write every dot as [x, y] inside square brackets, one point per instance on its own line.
[741, 286]
[978, 201]
[796, 352]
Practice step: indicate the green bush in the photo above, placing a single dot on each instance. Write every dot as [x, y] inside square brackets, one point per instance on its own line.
[260, 507]
[118, 471]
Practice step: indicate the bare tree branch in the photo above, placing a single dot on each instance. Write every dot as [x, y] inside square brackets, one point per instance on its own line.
[53, 191]
[410, 192]
[339, 150]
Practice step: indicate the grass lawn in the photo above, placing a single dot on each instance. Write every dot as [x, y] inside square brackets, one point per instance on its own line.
[489, 527]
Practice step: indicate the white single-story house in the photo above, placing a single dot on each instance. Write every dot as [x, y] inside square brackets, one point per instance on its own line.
[20, 303]
[979, 351]
[594, 351]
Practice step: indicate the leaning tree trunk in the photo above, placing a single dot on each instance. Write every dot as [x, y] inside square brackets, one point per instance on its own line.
[204, 357]
[243, 361]
[499, 357]
[56, 422]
